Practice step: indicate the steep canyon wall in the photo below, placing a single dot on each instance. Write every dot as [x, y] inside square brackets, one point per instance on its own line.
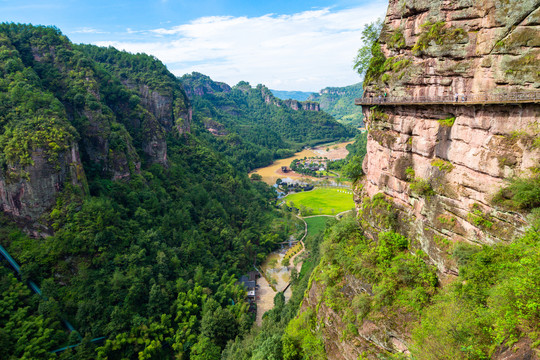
[432, 171]
[441, 165]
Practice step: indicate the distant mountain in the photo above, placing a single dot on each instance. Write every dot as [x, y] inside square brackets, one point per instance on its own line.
[295, 95]
[339, 102]
[252, 127]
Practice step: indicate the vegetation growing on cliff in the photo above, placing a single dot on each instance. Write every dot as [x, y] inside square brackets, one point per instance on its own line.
[437, 33]
[442, 165]
[396, 40]
[448, 122]
[352, 164]
[493, 304]
[394, 281]
[430, 32]
[31, 119]
[401, 281]
[370, 59]
[149, 262]
[521, 193]
[260, 130]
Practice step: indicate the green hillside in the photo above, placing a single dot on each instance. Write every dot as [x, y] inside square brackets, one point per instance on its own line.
[252, 127]
[339, 102]
[140, 228]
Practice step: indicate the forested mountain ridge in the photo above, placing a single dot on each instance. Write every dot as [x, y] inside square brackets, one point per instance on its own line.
[59, 104]
[140, 227]
[339, 102]
[252, 121]
[197, 84]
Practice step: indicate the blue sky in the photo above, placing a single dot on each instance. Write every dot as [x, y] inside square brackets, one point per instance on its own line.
[286, 45]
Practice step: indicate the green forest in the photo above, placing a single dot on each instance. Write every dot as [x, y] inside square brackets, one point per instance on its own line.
[257, 127]
[149, 262]
[131, 208]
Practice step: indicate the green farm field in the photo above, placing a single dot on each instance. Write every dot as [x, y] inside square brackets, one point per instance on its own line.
[316, 225]
[322, 201]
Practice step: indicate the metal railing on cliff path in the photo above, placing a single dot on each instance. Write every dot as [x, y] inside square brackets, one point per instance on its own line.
[461, 99]
[37, 290]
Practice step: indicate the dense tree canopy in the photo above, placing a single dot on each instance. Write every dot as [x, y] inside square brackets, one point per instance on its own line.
[255, 127]
[149, 259]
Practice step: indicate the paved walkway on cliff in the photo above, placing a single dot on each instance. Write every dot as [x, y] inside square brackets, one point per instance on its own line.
[462, 99]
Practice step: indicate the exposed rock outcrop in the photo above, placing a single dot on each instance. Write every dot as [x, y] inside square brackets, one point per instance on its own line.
[302, 105]
[439, 166]
[442, 164]
[197, 84]
[385, 336]
[442, 48]
[26, 198]
[296, 105]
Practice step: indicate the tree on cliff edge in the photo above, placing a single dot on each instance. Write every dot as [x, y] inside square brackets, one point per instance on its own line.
[370, 35]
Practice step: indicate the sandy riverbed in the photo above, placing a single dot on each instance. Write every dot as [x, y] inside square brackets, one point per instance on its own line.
[273, 172]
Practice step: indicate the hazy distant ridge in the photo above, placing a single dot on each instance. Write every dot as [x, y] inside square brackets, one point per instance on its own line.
[295, 95]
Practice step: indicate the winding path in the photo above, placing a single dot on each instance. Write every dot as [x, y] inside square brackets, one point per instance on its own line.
[291, 260]
[265, 293]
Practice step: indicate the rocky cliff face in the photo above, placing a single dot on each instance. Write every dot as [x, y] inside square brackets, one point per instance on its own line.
[197, 84]
[384, 336]
[70, 107]
[296, 105]
[442, 164]
[440, 48]
[436, 168]
[26, 198]
[302, 105]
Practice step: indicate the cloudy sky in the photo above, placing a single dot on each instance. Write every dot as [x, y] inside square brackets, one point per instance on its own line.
[286, 45]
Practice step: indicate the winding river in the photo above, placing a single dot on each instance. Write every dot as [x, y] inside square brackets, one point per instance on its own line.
[273, 172]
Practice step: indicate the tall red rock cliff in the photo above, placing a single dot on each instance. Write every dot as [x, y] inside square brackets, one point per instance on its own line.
[441, 165]
[435, 168]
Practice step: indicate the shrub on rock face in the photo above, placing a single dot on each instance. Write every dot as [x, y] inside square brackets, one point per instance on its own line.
[522, 193]
[421, 187]
[449, 122]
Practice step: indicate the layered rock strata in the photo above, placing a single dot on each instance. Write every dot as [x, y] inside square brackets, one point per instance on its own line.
[441, 165]
[438, 167]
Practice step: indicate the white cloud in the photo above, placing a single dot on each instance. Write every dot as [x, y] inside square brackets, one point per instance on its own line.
[89, 30]
[304, 51]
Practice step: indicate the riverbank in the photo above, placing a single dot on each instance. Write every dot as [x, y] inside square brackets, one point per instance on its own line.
[313, 225]
[274, 171]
